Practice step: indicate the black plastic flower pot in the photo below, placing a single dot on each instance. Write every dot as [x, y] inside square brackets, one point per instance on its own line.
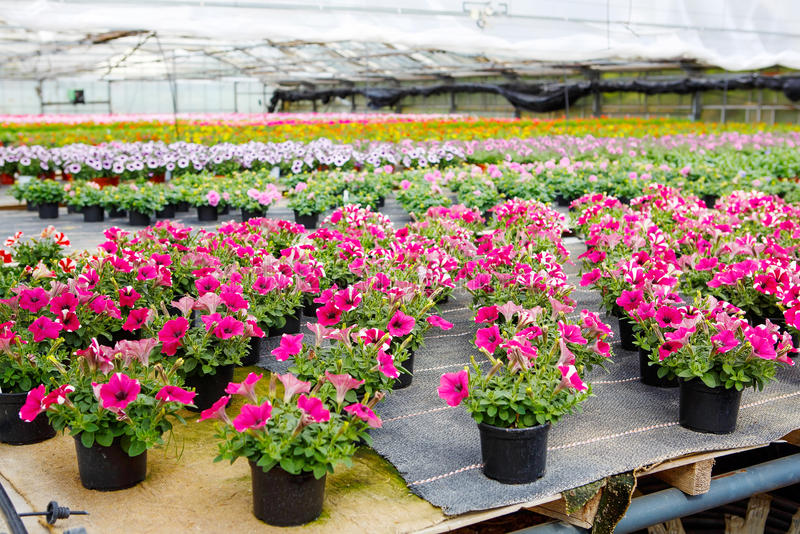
[14, 430]
[224, 210]
[649, 373]
[710, 200]
[93, 214]
[709, 410]
[282, 499]
[182, 206]
[310, 309]
[116, 213]
[247, 214]
[31, 207]
[292, 325]
[309, 221]
[139, 219]
[514, 455]
[562, 201]
[381, 202]
[404, 380]
[209, 388]
[167, 212]
[109, 468]
[48, 210]
[207, 213]
[253, 352]
[73, 209]
[626, 336]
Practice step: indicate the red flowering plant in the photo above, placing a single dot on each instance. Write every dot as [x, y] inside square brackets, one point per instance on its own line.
[295, 425]
[711, 341]
[112, 393]
[33, 260]
[25, 363]
[537, 359]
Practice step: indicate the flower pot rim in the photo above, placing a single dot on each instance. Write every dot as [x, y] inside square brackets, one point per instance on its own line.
[498, 429]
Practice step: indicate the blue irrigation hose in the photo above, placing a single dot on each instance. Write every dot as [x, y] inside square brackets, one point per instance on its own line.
[672, 503]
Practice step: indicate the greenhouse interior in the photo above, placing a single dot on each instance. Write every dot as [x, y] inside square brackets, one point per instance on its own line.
[343, 266]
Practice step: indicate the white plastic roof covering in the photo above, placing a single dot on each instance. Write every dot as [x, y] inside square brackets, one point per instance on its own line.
[357, 40]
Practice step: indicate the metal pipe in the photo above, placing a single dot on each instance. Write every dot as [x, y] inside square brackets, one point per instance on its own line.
[671, 503]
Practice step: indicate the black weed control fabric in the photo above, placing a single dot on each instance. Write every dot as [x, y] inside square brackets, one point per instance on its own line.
[625, 425]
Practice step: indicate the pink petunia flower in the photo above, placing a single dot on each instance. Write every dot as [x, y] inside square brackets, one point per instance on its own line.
[175, 394]
[435, 320]
[487, 314]
[400, 324]
[33, 404]
[454, 387]
[292, 386]
[137, 318]
[118, 392]
[347, 299]
[252, 416]
[328, 314]
[229, 327]
[488, 338]
[44, 328]
[342, 384]
[364, 413]
[386, 364]
[34, 299]
[629, 300]
[313, 408]
[171, 335]
[217, 410]
[247, 388]
[570, 378]
[290, 346]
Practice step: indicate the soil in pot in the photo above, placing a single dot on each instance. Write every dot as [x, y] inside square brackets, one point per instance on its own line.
[14, 430]
[139, 219]
[309, 221]
[93, 214]
[48, 210]
[207, 213]
[649, 373]
[282, 499]
[209, 388]
[626, 336]
[514, 455]
[109, 468]
[709, 410]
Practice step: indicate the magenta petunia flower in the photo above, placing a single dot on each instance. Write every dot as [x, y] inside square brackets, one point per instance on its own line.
[762, 343]
[64, 305]
[57, 396]
[400, 324]
[292, 386]
[171, 335]
[234, 301]
[118, 392]
[386, 364]
[571, 333]
[290, 346]
[667, 348]
[454, 387]
[342, 384]
[44, 328]
[724, 340]
[137, 318]
[347, 299]
[247, 388]
[252, 416]
[229, 327]
[175, 394]
[33, 404]
[668, 317]
[217, 410]
[591, 277]
[435, 320]
[364, 413]
[570, 378]
[487, 314]
[328, 314]
[34, 299]
[313, 408]
[147, 272]
[206, 284]
[488, 338]
[629, 300]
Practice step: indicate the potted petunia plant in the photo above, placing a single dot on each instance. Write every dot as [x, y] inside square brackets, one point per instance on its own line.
[534, 380]
[293, 433]
[117, 404]
[716, 354]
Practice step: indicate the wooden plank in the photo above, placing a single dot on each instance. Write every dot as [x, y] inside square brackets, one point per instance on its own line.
[793, 437]
[794, 528]
[583, 518]
[757, 512]
[692, 479]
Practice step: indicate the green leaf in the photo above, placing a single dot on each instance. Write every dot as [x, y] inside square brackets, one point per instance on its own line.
[105, 438]
[87, 438]
[137, 447]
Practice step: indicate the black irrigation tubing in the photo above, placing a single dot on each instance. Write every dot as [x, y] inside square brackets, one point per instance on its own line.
[546, 97]
[12, 520]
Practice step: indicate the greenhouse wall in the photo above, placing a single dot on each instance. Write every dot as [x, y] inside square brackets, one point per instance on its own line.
[250, 96]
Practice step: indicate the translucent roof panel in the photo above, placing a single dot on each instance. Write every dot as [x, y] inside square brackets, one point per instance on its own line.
[355, 40]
